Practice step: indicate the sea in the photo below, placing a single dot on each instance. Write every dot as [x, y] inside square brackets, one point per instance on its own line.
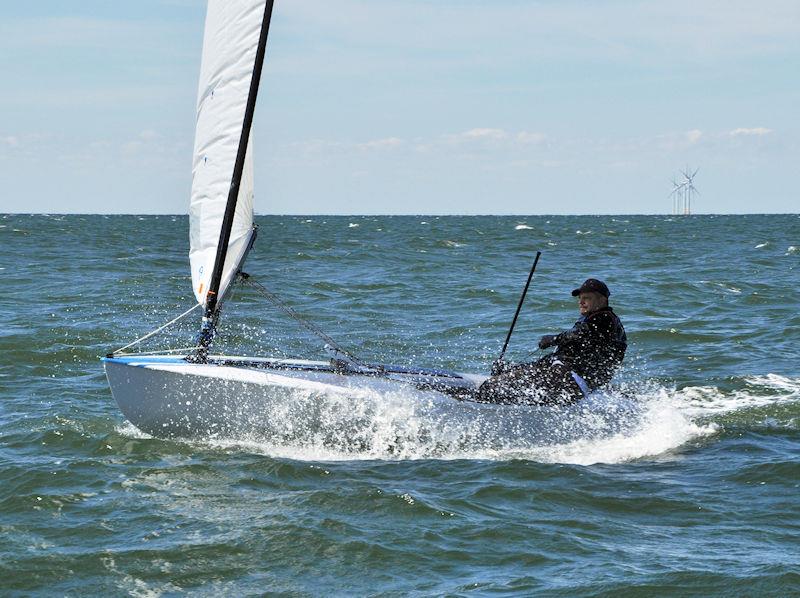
[699, 497]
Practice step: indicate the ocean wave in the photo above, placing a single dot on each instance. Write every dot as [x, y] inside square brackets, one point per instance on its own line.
[759, 391]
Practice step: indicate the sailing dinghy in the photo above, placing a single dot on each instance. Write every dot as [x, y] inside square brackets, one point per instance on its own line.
[198, 394]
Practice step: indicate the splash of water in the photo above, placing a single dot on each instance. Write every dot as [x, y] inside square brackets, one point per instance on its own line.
[402, 425]
[407, 424]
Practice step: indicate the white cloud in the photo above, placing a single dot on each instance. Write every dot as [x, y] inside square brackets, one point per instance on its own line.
[149, 135]
[386, 143]
[530, 137]
[665, 142]
[532, 146]
[317, 146]
[497, 138]
[693, 136]
[755, 131]
[477, 135]
[484, 134]
[148, 141]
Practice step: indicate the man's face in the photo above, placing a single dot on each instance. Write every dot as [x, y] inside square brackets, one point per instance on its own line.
[590, 302]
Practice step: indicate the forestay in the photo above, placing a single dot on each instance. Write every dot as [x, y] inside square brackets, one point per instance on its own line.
[229, 52]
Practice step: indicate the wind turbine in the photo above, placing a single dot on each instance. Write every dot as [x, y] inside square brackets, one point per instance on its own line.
[690, 188]
[677, 193]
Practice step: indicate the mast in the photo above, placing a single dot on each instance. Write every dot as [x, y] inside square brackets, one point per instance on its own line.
[212, 300]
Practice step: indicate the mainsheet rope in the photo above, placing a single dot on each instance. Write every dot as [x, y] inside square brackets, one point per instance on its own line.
[277, 302]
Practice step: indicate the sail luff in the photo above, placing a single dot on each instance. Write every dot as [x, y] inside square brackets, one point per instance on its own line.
[221, 210]
[233, 195]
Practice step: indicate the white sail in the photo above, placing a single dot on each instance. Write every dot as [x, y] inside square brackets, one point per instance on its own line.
[229, 51]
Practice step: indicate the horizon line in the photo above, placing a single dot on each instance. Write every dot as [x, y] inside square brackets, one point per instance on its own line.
[427, 215]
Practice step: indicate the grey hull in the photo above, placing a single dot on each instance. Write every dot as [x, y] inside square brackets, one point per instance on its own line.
[171, 398]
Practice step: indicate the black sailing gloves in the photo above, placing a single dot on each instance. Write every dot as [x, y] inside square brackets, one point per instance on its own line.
[547, 341]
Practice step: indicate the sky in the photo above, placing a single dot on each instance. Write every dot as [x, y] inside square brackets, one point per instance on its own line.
[413, 106]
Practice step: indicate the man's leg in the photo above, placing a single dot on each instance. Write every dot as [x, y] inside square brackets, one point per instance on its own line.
[516, 385]
[547, 381]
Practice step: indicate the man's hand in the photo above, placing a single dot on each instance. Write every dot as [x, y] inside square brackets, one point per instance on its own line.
[499, 367]
[547, 341]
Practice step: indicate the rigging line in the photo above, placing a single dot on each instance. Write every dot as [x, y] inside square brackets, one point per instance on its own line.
[160, 352]
[275, 300]
[157, 330]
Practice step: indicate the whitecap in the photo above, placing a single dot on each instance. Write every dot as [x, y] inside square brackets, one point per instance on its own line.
[730, 289]
[760, 245]
[353, 225]
[708, 400]
[523, 227]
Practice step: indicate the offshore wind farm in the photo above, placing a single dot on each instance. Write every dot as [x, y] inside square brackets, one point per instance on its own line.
[683, 192]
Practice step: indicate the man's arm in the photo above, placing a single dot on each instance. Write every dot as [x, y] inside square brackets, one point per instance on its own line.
[595, 325]
[577, 333]
[547, 341]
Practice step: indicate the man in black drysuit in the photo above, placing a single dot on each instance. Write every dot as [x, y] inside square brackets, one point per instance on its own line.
[585, 358]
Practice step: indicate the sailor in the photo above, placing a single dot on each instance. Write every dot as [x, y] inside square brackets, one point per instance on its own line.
[586, 357]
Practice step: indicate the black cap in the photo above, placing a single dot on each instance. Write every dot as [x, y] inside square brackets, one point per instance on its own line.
[592, 285]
